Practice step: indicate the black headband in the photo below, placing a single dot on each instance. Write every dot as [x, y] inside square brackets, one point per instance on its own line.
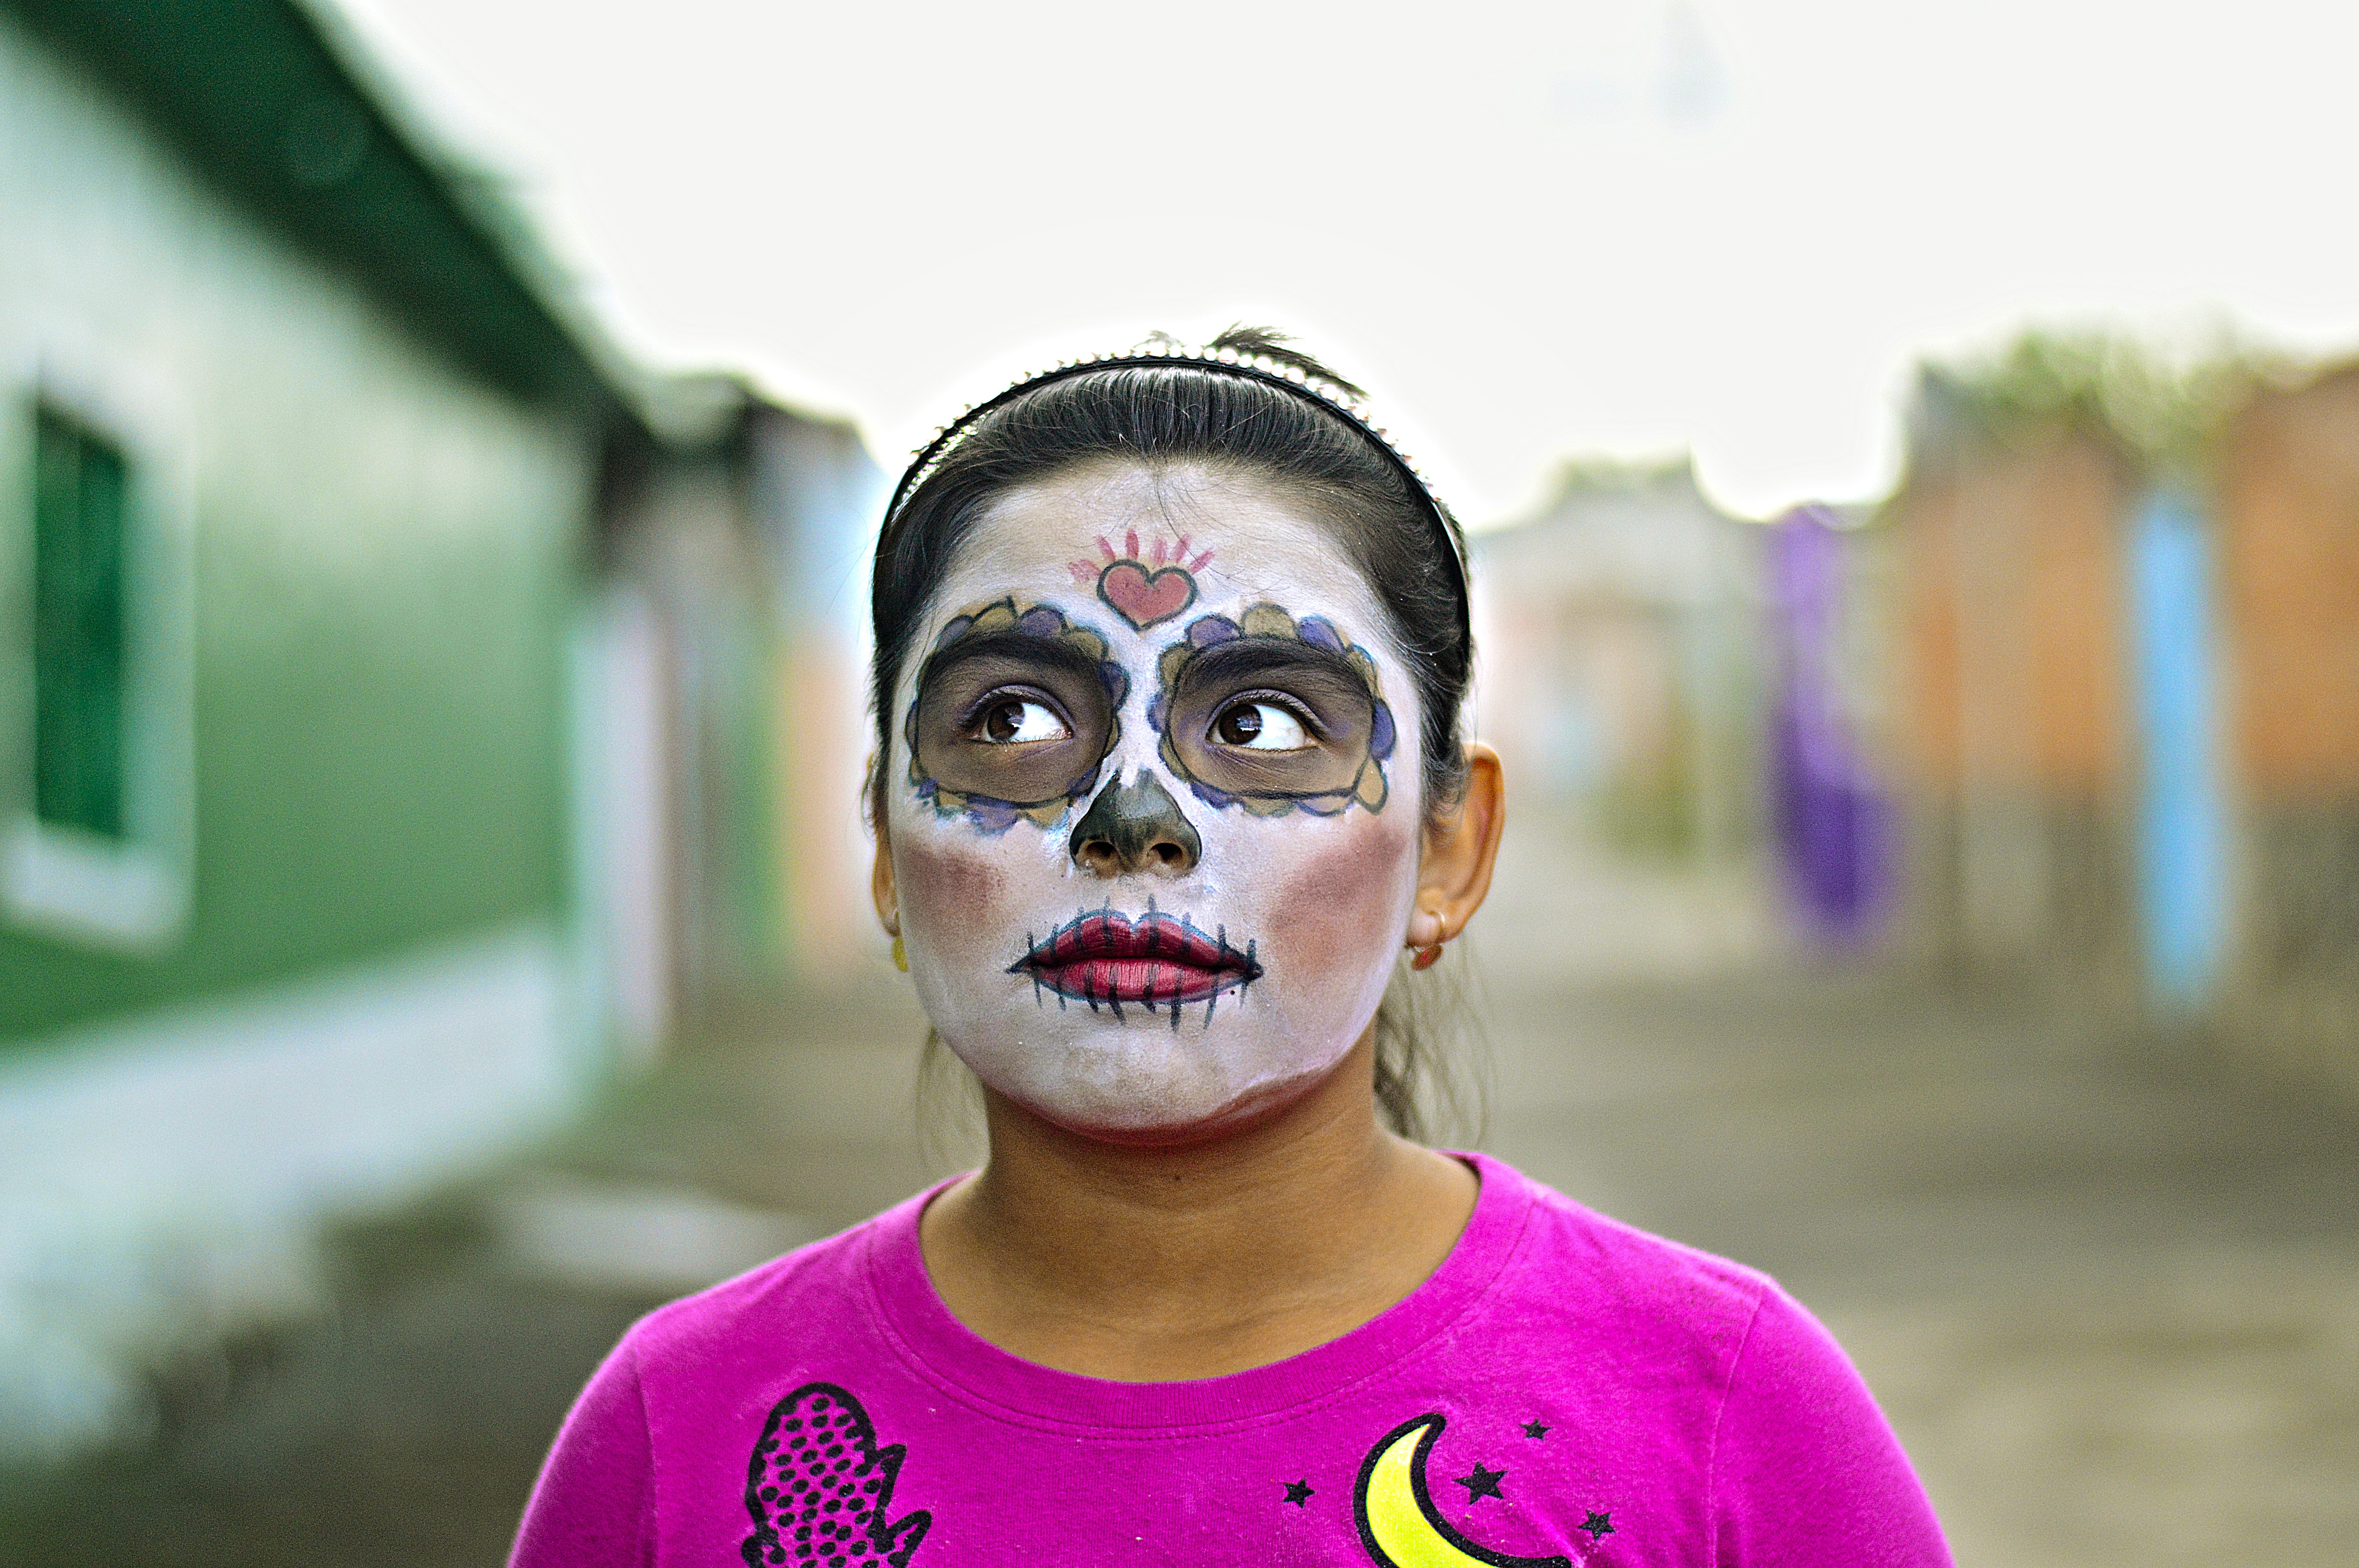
[1335, 400]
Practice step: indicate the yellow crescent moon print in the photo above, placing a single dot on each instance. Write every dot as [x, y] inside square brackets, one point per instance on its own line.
[1398, 1523]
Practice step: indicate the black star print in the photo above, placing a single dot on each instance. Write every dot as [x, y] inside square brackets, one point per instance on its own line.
[1298, 1493]
[1535, 1431]
[1598, 1526]
[1482, 1484]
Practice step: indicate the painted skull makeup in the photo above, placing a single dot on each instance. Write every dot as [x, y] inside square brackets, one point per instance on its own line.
[1318, 744]
[1016, 708]
[1145, 879]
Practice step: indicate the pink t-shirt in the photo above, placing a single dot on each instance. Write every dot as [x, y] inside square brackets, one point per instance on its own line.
[1564, 1390]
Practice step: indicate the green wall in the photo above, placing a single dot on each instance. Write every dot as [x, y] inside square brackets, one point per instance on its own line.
[385, 557]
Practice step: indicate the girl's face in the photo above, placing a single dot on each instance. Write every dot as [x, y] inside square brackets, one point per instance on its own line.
[1153, 801]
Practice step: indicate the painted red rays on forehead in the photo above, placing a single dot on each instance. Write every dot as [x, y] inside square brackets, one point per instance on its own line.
[1142, 594]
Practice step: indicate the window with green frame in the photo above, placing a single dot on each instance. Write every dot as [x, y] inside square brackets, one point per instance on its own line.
[81, 501]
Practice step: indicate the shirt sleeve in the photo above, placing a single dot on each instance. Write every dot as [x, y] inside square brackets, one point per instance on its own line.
[1804, 1469]
[593, 1506]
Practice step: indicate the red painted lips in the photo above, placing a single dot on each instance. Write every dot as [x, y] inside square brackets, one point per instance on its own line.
[1104, 956]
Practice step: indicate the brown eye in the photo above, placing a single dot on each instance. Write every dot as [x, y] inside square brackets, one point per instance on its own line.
[1018, 719]
[1260, 727]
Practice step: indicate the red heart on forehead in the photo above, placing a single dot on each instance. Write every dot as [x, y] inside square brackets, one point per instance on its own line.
[1146, 597]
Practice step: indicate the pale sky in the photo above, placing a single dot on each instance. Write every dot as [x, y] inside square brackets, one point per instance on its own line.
[1534, 231]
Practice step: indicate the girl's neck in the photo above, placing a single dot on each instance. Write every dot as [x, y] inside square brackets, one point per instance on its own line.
[1190, 1261]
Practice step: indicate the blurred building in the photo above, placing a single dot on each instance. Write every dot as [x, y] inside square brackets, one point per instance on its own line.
[1620, 659]
[2014, 727]
[2130, 697]
[723, 714]
[1620, 675]
[395, 685]
[2287, 489]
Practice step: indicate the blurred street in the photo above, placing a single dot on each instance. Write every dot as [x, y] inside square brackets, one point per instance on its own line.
[2106, 1289]
[432, 717]
[2108, 1292]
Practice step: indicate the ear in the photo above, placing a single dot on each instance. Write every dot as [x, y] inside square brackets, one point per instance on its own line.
[1454, 874]
[880, 873]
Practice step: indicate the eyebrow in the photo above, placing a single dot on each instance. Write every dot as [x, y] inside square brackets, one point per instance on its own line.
[1242, 658]
[1017, 647]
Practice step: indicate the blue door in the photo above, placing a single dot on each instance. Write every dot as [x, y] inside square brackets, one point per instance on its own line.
[2181, 830]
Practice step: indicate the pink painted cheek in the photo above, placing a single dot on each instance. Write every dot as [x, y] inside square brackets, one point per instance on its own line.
[945, 887]
[1338, 901]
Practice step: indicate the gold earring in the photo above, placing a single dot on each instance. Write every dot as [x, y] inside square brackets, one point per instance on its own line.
[900, 956]
[1426, 958]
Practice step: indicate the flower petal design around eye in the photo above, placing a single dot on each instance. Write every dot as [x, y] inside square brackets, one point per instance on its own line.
[1257, 752]
[1046, 624]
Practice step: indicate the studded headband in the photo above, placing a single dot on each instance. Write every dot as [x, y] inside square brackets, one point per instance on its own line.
[1335, 400]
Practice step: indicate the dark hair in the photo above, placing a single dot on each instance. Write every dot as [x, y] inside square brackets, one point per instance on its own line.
[1175, 412]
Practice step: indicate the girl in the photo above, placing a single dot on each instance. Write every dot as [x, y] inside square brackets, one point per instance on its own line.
[1172, 647]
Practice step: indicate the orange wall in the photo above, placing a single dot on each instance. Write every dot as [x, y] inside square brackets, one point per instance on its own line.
[2012, 619]
[2290, 506]
[1928, 717]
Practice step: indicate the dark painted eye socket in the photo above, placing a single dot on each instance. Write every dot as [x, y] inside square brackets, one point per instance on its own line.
[1008, 725]
[1297, 731]
[1275, 712]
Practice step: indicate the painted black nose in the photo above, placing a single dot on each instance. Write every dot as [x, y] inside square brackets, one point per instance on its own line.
[1132, 827]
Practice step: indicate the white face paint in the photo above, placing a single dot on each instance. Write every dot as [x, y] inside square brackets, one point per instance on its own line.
[1185, 669]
